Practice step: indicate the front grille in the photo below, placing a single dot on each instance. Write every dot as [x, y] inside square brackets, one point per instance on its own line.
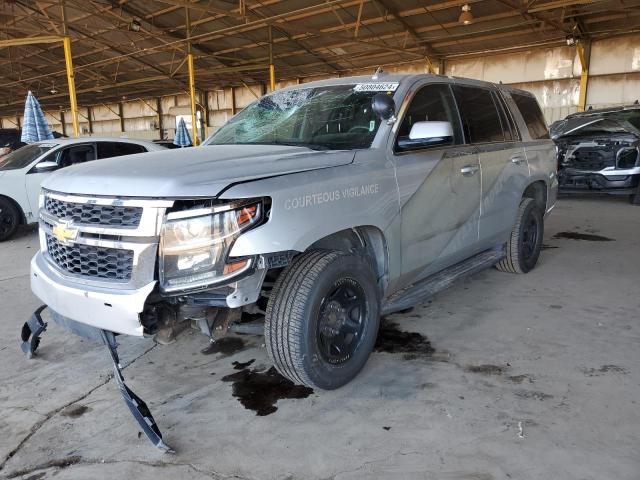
[91, 261]
[91, 214]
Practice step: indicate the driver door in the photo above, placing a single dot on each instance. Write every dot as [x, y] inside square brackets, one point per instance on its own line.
[64, 157]
[439, 190]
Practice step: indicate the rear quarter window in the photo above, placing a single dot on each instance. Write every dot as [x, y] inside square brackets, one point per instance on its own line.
[532, 115]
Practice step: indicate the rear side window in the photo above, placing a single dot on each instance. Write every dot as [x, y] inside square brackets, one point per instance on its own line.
[532, 115]
[118, 149]
[480, 118]
[509, 128]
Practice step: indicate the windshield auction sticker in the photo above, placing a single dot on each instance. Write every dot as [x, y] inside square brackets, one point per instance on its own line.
[376, 87]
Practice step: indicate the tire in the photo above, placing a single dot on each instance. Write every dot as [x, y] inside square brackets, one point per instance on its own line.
[525, 243]
[634, 199]
[9, 219]
[322, 319]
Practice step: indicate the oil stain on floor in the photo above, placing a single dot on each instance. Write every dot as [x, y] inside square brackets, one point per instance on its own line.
[75, 411]
[225, 345]
[260, 391]
[242, 365]
[411, 344]
[486, 369]
[583, 236]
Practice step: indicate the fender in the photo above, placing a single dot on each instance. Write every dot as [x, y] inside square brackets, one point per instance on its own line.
[309, 206]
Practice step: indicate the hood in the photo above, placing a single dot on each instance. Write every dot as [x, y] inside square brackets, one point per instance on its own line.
[191, 172]
[573, 125]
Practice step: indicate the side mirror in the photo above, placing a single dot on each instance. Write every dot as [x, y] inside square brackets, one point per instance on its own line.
[426, 134]
[46, 166]
[383, 106]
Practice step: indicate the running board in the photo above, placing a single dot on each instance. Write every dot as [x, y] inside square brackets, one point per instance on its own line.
[419, 292]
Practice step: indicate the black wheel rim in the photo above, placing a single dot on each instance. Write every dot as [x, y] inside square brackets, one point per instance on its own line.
[529, 237]
[341, 321]
[7, 222]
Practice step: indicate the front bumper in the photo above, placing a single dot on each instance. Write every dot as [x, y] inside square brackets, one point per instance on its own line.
[571, 180]
[107, 309]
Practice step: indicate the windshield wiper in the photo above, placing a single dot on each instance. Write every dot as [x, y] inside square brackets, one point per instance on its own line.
[312, 146]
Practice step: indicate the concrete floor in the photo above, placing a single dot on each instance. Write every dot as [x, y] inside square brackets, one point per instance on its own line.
[534, 376]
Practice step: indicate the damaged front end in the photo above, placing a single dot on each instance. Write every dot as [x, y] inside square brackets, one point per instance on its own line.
[144, 267]
[598, 154]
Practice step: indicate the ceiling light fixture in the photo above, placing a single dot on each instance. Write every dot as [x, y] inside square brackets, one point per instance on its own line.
[466, 17]
[135, 25]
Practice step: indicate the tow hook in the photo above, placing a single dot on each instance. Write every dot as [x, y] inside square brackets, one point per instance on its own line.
[35, 326]
[31, 331]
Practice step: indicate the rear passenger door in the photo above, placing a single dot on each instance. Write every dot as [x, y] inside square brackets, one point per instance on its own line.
[439, 189]
[504, 171]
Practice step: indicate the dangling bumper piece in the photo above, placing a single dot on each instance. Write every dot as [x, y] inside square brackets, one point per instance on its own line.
[35, 326]
[31, 332]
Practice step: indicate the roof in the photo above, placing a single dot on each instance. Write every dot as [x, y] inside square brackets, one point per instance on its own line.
[384, 77]
[125, 48]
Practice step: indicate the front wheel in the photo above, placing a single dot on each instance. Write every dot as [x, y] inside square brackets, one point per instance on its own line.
[525, 243]
[322, 319]
[9, 219]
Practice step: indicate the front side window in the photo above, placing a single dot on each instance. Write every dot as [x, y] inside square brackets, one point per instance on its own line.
[334, 117]
[480, 118]
[430, 104]
[23, 156]
[76, 154]
[532, 115]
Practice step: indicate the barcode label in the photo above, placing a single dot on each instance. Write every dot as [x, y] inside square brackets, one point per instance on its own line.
[376, 87]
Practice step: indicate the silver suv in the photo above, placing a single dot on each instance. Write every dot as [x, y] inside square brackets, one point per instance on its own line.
[321, 206]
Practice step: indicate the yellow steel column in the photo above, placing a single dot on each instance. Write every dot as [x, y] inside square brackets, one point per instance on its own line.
[192, 95]
[272, 68]
[72, 86]
[584, 53]
[192, 81]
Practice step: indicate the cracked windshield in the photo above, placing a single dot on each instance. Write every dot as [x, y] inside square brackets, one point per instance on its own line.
[322, 118]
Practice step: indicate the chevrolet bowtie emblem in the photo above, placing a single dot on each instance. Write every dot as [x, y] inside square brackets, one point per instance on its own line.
[64, 232]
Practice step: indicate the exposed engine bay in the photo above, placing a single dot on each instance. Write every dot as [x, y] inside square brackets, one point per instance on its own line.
[598, 152]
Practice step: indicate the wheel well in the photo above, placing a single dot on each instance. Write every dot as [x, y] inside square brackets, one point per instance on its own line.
[23, 219]
[367, 242]
[537, 191]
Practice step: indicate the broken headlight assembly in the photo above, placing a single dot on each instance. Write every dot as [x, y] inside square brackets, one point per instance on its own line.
[195, 245]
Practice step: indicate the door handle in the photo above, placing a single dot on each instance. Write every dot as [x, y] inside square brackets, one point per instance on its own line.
[469, 170]
[518, 159]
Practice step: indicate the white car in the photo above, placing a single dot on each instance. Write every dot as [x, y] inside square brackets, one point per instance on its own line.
[22, 171]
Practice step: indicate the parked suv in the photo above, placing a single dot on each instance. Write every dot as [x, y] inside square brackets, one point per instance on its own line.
[322, 206]
[22, 171]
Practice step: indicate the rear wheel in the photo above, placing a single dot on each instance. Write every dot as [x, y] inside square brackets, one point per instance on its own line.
[322, 319]
[9, 219]
[525, 243]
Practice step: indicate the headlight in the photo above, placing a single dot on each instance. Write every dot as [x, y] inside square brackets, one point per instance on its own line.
[195, 244]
